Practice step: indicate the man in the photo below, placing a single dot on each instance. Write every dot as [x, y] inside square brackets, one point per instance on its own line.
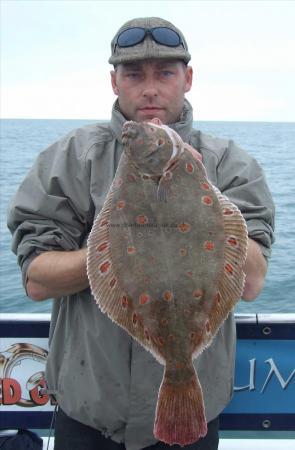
[105, 383]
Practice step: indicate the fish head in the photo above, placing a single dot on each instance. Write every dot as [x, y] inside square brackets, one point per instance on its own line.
[149, 146]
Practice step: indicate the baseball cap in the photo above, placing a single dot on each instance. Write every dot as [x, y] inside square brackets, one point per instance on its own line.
[155, 42]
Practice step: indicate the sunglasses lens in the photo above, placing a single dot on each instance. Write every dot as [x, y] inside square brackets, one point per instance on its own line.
[165, 36]
[130, 37]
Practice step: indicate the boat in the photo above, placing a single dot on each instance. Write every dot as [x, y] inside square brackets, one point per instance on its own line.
[264, 391]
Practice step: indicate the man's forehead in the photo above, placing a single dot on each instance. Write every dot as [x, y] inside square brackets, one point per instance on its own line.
[157, 63]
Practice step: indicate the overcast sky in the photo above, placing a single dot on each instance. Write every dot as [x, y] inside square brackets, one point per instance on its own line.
[54, 56]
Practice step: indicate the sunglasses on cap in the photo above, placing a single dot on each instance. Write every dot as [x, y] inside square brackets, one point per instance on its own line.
[161, 35]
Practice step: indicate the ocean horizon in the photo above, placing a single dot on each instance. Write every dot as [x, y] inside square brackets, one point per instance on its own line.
[107, 120]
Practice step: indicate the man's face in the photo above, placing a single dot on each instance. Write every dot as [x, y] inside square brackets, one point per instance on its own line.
[149, 89]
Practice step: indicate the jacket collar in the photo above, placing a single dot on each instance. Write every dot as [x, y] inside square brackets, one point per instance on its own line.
[183, 127]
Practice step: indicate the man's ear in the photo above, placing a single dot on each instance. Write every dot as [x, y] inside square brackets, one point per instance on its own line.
[188, 79]
[114, 82]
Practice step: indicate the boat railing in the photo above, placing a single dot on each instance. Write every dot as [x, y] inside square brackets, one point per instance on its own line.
[264, 392]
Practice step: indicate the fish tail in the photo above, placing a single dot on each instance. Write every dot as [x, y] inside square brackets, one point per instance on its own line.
[180, 416]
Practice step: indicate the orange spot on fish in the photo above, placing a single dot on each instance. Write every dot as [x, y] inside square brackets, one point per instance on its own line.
[131, 250]
[209, 246]
[131, 178]
[141, 219]
[184, 227]
[208, 327]
[146, 334]
[189, 167]
[183, 252]
[171, 338]
[154, 339]
[160, 341]
[232, 241]
[124, 301]
[168, 174]
[205, 186]
[229, 269]
[138, 141]
[102, 247]
[113, 282]
[227, 211]
[164, 322]
[134, 318]
[189, 274]
[144, 298]
[118, 182]
[207, 200]
[104, 222]
[105, 267]
[121, 204]
[217, 297]
[168, 296]
[198, 294]
[179, 365]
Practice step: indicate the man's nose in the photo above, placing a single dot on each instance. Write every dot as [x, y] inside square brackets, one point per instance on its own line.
[150, 89]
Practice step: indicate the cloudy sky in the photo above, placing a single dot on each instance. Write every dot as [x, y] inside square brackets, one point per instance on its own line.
[54, 56]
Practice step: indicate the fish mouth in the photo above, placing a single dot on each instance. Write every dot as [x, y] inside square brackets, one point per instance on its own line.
[129, 131]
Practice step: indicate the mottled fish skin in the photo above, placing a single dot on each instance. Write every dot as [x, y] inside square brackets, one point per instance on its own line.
[165, 259]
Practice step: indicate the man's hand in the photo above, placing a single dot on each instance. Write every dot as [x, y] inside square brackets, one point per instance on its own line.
[54, 274]
[255, 269]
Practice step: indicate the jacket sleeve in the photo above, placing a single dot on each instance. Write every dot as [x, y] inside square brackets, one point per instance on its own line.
[52, 208]
[242, 180]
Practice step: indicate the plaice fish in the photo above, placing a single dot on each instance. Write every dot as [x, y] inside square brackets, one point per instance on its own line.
[165, 262]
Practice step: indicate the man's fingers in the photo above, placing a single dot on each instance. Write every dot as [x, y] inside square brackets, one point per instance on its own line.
[156, 121]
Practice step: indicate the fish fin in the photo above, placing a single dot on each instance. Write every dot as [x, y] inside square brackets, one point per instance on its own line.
[232, 280]
[163, 191]
[105, 285]
[180, 415]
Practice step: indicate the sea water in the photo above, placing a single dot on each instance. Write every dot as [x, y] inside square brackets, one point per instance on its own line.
[272, 144]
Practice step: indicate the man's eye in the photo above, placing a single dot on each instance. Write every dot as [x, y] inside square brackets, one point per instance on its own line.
[166, 73]
[133, 75]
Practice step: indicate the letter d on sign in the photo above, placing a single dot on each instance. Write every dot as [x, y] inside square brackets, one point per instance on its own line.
[11, 391]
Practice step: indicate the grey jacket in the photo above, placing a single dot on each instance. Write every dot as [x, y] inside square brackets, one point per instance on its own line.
[101, 376]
